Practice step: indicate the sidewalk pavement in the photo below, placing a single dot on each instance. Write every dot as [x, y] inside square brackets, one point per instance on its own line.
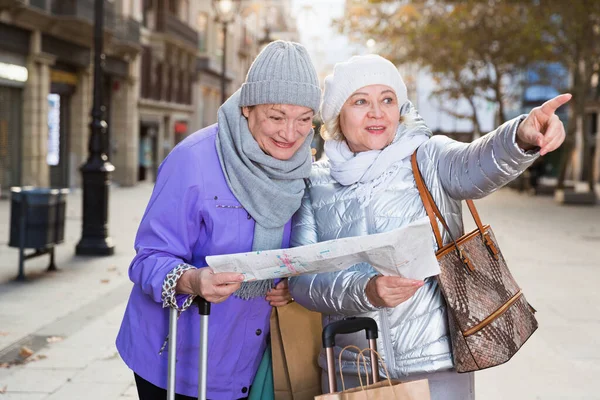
[70, 318]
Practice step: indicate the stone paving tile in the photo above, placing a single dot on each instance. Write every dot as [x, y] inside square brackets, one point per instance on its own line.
[23, 396]
[79, 391]
[111, 370]
[130, 392]
[39, 380]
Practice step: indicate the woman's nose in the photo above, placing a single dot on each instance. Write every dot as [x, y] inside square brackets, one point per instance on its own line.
[375, 111]
[289, 132]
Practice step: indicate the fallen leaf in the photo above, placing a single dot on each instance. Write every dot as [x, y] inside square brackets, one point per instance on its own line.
[54, 339]
[3, 389]
[38, 357]
[113, 268]
[104, 280]
[4, 365]
[25, 352]
[112, 356]
[4, 333]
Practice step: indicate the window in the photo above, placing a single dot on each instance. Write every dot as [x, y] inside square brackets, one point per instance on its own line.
[173, 7]
[148, 14]
[184, 11]
[146, 81]
[202, 23]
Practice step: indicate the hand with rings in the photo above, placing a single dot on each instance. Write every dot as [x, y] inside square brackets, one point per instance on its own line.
[280, 294]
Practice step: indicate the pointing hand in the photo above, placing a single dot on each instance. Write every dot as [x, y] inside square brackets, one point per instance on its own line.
[542, 128]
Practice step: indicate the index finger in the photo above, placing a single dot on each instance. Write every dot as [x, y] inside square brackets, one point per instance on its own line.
[401, 281]
[222, 278]
[552, 105]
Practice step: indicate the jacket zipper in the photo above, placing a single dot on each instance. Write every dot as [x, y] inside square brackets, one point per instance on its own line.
[385, 328]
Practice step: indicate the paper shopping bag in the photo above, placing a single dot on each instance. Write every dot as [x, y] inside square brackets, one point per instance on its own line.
[295, 344]
[383, 390]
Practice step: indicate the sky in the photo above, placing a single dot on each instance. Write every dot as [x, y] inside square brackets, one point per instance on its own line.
[327, 47]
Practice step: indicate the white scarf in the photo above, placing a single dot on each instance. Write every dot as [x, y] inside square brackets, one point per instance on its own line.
[368, 172]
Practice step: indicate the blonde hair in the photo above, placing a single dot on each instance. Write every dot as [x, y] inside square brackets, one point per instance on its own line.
[331, 130]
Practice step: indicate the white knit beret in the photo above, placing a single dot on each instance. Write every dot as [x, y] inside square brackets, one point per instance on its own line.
[358, 72]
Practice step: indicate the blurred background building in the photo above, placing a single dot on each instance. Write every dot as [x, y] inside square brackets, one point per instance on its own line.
[162, 80]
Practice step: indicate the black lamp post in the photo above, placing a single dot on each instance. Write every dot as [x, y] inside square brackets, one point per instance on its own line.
[226, 11]
[267, 38]
[97, 169]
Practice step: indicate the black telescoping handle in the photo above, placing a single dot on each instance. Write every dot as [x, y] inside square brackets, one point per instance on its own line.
[349, 325]
[203, 305]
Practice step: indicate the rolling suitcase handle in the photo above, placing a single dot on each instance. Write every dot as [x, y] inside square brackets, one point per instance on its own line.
[349, 325]
[204, 310]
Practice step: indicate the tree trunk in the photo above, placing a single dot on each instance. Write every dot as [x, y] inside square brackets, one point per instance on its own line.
[571, 131]
[475, 120]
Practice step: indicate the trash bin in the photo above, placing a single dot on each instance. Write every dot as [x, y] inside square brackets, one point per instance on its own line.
[37, 221]
[38, 207]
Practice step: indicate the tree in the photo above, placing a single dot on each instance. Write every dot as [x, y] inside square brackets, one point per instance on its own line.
[472, 48]
[476, 49]
[572, 29]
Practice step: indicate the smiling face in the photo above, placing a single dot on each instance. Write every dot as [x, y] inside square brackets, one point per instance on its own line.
[279, 129]
[369, 118]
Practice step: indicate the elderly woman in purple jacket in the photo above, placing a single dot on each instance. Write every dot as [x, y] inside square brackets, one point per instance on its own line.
[229, 188]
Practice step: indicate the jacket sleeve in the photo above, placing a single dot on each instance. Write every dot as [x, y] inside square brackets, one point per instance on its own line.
[474, 170]
[341, 292]
[171, 224]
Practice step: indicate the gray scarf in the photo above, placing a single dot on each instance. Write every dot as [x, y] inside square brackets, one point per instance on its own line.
[268, 188]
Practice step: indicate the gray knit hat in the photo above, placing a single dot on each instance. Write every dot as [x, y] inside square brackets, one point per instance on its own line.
[282, 74]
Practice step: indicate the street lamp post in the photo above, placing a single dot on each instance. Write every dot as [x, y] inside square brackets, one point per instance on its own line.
[97, 169]
[226, 11]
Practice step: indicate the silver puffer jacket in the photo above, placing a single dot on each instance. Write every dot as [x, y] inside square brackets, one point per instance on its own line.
[413, 336]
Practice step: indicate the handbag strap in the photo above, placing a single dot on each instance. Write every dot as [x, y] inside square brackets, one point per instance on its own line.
[431, 207]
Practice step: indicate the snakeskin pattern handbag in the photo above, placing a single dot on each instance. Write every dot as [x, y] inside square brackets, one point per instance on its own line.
[489, 318]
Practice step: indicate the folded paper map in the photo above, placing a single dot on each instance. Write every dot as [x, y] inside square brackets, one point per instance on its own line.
[406, 252]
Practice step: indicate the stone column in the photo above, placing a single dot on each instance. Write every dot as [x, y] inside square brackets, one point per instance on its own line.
[81, 106]
[35, 115]
[597, 154]
[125, 122]
[577, 155]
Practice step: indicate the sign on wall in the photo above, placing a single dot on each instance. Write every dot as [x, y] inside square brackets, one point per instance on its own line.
[53, 156]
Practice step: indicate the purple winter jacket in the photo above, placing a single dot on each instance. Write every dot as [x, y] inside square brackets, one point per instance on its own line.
[193, 214]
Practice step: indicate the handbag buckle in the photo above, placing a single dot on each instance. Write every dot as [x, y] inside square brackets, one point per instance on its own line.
[466, 262]
[489, 244]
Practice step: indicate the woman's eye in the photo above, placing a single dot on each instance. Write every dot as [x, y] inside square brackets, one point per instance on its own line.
[305, 119]
[276, 118]
[388, 100]
[360, 102]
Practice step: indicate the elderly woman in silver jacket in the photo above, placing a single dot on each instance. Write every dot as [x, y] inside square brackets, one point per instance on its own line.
[367, 187]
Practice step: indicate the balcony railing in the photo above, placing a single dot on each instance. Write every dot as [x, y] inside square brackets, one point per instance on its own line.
[78, 9]
[124, 28]
[127, 29]
[170, 24]
[83, 9]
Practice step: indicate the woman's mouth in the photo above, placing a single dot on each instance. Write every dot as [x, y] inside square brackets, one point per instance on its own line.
[375, 129]
[284, 145]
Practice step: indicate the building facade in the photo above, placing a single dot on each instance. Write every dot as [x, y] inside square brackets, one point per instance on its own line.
[46, 87]
[161, 82]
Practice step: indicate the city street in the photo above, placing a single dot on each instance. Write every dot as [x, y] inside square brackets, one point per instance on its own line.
[69, 319]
